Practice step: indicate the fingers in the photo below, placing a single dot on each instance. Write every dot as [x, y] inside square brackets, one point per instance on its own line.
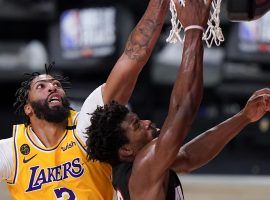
[207, 2]
[177, 5]
[267, 102]
[261, 100]
[262, 91]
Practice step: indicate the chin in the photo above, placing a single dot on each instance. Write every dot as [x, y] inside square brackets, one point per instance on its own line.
[55, 108]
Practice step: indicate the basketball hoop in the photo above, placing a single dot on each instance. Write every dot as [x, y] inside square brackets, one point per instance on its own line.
[213, 33]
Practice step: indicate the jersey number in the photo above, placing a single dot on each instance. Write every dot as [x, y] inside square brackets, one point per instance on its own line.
[64, 194]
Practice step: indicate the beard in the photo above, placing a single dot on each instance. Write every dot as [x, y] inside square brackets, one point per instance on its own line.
[55, 114]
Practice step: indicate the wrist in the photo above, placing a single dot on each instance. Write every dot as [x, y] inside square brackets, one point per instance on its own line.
[193, 34]
[194, 31]
[196, 27]
[245, 118]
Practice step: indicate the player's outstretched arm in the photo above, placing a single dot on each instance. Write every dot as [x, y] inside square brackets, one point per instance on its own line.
[122, 79]
[206, 146]
[185, 98]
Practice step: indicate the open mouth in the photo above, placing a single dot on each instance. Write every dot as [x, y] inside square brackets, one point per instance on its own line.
[55, 100]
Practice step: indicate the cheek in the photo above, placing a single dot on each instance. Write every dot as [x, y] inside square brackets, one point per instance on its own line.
[145, 138]
[37, 95]
[62, 92]
[30, 96]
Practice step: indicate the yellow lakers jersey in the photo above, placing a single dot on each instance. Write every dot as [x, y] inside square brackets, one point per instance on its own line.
[61, 172]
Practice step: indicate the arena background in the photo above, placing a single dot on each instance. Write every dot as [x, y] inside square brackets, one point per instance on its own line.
[37, 31]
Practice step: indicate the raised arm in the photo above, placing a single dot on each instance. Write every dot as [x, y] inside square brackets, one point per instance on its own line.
[186, 95]
[122, 79]
[206, 146]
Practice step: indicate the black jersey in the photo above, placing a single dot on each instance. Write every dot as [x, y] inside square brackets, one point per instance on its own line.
[122, 172]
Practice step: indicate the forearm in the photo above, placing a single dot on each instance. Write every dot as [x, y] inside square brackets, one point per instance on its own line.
[206, 146]
[122, 80]
[144, 36]
[187, 92]
[186, 97]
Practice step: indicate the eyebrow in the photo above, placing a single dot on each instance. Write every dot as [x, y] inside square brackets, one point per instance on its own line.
[44, 81]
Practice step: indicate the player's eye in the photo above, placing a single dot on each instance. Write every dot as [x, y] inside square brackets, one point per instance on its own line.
[57, 84]
[40, 86]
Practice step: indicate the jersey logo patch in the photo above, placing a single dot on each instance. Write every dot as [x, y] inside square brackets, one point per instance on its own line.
[25, 149]
[27, 160]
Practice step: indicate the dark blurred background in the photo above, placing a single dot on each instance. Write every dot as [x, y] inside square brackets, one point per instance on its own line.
[85, 38]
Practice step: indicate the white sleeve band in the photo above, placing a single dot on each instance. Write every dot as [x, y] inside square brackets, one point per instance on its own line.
[93, 100]
[6, 159]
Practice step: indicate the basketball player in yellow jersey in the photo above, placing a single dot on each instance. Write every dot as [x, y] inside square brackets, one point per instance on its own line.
[45, 158]
[49, 156]
[56, 172]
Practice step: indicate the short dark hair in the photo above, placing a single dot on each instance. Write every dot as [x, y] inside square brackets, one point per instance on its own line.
[105, 134]
[21, 94]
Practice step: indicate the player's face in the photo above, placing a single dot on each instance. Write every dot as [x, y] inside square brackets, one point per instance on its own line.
[46, 88]
[139, 132]
[47, 99]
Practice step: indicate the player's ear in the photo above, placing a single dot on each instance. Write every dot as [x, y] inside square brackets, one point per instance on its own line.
[125, 152]
[27, 109]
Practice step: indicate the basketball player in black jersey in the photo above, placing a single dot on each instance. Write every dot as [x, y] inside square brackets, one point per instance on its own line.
[151, 177]
[145, 160]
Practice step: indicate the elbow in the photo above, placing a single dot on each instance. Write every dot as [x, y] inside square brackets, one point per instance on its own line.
[182, 164]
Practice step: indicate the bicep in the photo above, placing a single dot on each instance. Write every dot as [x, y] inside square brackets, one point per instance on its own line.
[6, 159]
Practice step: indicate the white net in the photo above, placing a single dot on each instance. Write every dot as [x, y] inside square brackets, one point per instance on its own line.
[213, 33]
[176, 24]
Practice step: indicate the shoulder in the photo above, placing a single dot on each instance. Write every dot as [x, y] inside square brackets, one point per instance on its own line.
[6, 147]
[89, 106]
[147, 164]
[6, 158]
[6, 143]
[95, 97]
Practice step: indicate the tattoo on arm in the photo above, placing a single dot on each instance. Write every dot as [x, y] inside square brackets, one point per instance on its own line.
[139, 40]
[139, 46]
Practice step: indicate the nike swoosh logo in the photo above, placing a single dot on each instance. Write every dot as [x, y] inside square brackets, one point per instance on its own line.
[27, 160]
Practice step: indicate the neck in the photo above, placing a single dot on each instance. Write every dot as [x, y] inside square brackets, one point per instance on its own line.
[48, 133]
